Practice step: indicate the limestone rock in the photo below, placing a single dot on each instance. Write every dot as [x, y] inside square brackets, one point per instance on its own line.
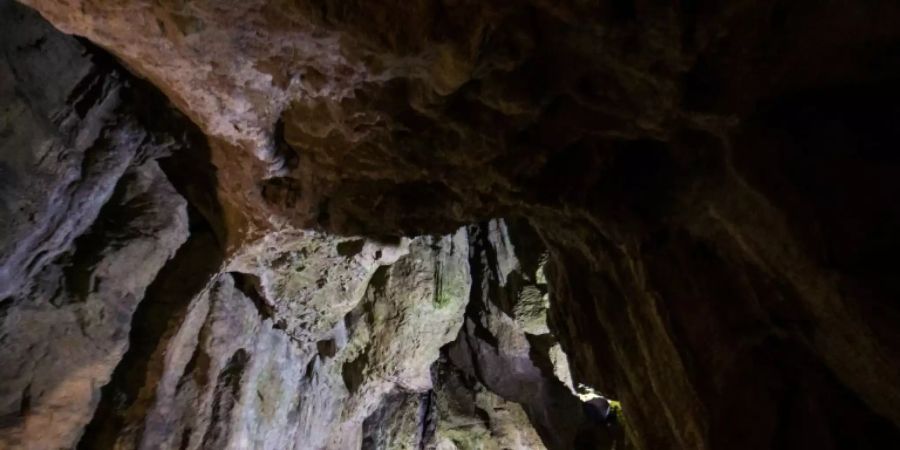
[235, 373]
[62, 155]
[60, 349]
[715, 185]
[401, 421]
[308, 281]
[468, 416]
[231, 380]
[504, 355]
[87, 223]
[391, 338]
[134, 326]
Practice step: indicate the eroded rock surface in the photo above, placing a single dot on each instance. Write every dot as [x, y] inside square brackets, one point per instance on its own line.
[506, 346]
[236, 374]
[715, 184]
[457, 414]
[88, 221]
[131, 321]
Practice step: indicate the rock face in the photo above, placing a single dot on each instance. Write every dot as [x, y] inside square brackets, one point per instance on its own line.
[88, 221]
[233, 376]
[234, 371]
[505, 343]
[715, 186]
[127, 322]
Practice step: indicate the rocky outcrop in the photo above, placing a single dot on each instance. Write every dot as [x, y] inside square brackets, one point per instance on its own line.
[459, 413]
[89, 219]
[131, 322]
[506, 345]
[494, 386]
[467, 415]
[62, 345]
[714, 183]
[239, 370]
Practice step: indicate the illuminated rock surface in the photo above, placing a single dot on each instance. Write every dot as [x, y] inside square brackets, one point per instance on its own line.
[272, 224]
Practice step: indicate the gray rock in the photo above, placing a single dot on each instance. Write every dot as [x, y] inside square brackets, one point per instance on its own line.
[86, 224]
[126, 324]
[499, 346]
[235, 375]
[468, 416]
[61, 346]
[61, 155]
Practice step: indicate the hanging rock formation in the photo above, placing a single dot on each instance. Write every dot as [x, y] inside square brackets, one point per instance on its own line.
[268, 224]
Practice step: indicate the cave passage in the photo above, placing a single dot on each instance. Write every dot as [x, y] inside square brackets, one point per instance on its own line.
[449, 225]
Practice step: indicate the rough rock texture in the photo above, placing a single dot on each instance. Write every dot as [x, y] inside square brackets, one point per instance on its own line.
[715, 181]
[458, 414]
[470, 416]
[59, 349]
[494, 386]
[488, 389]
[62, 148]
[308, 282]
[387, 342]
[234, 372]
[505, 344]
[131, 321]
[88, 220]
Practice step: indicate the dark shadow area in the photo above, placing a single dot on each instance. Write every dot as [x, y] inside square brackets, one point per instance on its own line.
[188, 167]
[159, 314]
[525, 378]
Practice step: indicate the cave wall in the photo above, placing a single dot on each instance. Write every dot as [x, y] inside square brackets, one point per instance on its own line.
[715, 184]
[130, 318]
[88, 220]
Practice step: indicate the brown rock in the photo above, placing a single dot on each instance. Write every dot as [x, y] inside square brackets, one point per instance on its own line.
[715, 183]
